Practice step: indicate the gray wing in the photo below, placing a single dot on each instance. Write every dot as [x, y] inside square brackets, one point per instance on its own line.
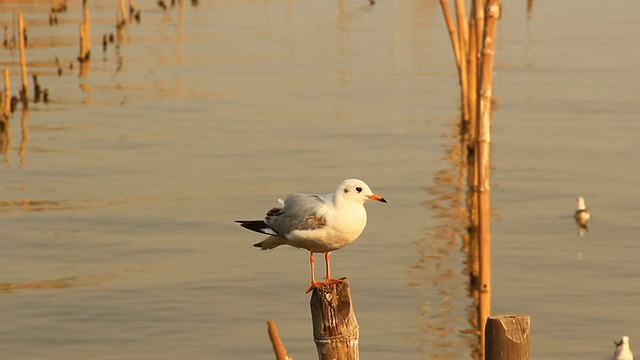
[300, 212]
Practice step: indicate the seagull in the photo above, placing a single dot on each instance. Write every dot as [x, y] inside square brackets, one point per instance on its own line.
[623, 351]
[582, 215]
[318, 223]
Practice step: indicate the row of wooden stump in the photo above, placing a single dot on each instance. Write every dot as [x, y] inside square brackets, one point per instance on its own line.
[336, 332]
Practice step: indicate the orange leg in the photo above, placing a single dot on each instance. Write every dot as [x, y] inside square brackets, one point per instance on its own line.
[314, 284]
[327, 257]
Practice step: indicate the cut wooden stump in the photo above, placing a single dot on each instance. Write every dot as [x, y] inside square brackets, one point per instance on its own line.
[508, 337]
[335, 329]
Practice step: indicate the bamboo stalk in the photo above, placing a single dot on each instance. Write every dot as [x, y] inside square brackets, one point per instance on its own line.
[452, 31]
[472, 79]
[472, 174]
[132, 8]
[6, 101]
[278, 347]
[24, 92]
[123, 14]
[85, 37]
[463, 35]
[484, 140]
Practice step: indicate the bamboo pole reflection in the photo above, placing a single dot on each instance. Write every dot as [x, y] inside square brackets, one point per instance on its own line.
[5, 139]
[443, 253]
[25, 136]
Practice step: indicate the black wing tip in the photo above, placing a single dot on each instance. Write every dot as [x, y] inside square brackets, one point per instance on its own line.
[258, 226]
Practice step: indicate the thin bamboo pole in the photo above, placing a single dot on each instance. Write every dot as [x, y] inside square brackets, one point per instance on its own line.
[132, 8]
[492, 12]
[452, 31]
[123, 14]
[24, 92]
[6, 102]
[278, 347]
[463, 39]
[479, 19]
[85, 37]
[472, 78]
[471, 132]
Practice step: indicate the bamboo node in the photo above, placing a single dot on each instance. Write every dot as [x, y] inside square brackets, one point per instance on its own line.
[487, 93]
[494, 11]
[327, 339]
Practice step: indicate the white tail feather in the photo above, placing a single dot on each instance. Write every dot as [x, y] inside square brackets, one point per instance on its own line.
[270, 243]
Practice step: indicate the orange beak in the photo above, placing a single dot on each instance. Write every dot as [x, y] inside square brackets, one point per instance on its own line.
[377, 197]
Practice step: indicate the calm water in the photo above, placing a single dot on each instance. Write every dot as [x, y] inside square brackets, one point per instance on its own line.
[117, 208]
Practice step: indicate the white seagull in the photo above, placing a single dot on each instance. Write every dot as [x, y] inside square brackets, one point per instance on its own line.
[318, 223]
[582, 215]
[623, 351]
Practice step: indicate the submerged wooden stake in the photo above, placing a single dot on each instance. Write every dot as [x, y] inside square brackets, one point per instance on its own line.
[85, 37]
[278, 348]
[508, 337]
[6, 101]
[335, 329]
[24, 92]
[123, 14]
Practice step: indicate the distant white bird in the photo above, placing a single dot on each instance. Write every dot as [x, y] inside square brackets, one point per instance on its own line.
[623, 351]
[582, 215]
[318, 223]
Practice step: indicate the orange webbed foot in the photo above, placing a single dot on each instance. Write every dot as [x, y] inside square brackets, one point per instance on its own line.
[314, 285]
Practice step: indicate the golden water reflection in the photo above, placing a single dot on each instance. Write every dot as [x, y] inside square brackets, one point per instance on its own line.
[62, 283]
[5, 138]
[442, 264]
[53, 205]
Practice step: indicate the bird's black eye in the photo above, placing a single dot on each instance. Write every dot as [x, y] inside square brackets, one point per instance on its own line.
[359, 189]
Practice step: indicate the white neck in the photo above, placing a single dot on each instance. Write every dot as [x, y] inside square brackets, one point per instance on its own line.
[581, 204]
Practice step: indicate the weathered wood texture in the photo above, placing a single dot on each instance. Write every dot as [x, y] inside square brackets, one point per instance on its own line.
[335, 329]
[508, 337]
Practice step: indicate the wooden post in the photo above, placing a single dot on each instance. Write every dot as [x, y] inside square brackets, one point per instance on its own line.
[278, 348]
[508, 337]
[335, 329]
[24, 92]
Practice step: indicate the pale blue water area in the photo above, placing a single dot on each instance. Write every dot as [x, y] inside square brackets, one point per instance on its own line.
[117, 209]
